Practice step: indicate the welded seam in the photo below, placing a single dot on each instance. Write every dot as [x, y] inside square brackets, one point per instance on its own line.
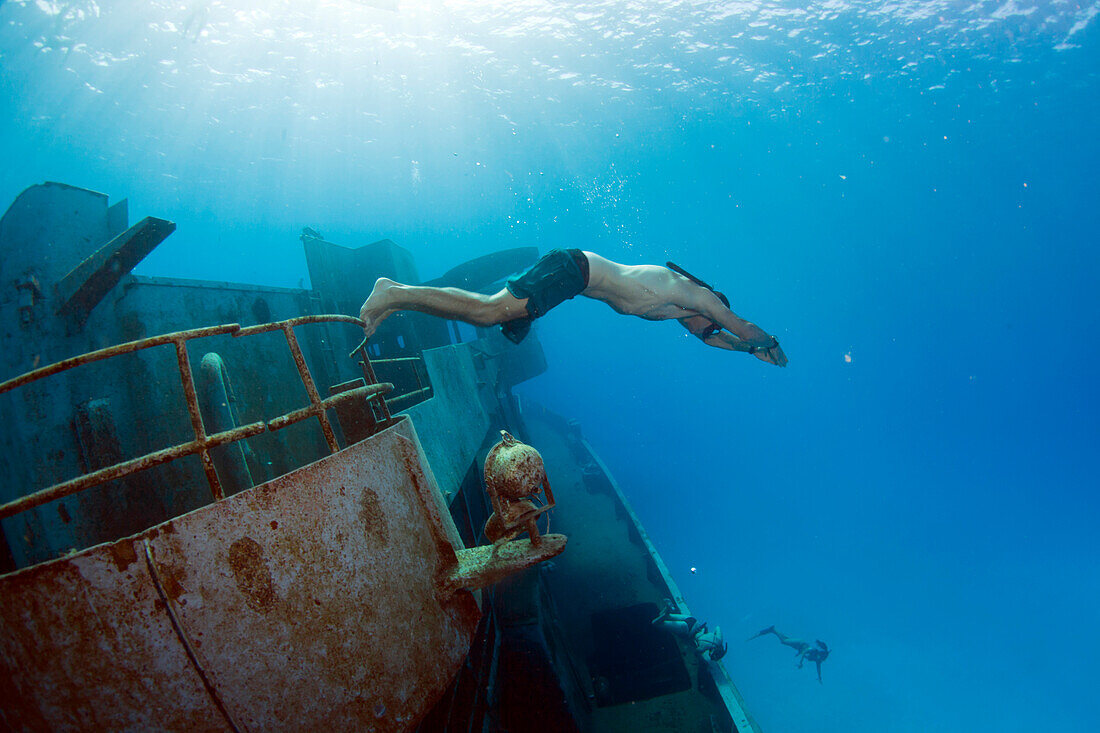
[213, 693]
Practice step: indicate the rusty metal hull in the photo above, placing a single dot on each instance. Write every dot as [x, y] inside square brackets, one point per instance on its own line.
[308, 602]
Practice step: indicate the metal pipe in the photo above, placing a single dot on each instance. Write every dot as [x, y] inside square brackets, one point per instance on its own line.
[299, 321]
[120, 470]
[396, 359]
[220, 402]
[311, 388]
[409, 395]
[126, 348]
[295, 416]
[380, 409]
[365, 392]
[188, 380]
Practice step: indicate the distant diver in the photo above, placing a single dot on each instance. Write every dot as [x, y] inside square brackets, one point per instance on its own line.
[707, 644]
[648, 291]
[804, 652]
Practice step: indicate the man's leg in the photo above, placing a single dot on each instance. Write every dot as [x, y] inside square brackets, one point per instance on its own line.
[388, 297]
[797, 644]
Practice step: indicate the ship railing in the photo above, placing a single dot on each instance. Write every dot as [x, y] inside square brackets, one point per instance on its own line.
[372, 392]
[422, 389]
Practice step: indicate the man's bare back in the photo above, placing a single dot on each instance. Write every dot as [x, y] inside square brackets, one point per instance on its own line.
[647, 291]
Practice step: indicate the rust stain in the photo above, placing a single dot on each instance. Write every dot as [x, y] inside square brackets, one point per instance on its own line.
[274, 524]
[63, 513]
[19, 707]
[172, 577]
[373, 517]
[246, 557]
[123, 554]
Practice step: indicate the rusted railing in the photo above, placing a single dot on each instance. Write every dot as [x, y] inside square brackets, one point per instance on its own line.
[202, 442]
[422, 390]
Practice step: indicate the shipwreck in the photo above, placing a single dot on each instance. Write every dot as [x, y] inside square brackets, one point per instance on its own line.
[214, 518]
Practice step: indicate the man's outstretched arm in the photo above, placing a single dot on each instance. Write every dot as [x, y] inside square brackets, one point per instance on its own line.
[707, 303]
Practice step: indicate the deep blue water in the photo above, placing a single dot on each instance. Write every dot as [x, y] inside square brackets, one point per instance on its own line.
[909, 185]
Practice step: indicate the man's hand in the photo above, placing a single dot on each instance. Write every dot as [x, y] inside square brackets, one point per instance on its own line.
[730, 342]
[773, 355]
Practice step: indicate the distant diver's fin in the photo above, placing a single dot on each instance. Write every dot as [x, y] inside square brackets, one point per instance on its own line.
[762, 632]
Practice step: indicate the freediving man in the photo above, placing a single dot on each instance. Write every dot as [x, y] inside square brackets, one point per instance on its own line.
[803, 651]
[648, 291]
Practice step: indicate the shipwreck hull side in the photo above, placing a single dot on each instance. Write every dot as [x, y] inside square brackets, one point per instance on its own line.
[300, 604]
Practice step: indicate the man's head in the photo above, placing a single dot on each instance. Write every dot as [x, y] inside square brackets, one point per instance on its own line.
[701, 326]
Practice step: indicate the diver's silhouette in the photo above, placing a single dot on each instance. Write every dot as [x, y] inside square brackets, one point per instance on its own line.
[804, 651]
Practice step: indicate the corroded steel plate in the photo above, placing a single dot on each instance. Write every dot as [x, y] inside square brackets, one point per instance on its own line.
[306, 603]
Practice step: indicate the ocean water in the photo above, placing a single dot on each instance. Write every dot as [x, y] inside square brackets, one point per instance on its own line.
[905, 193]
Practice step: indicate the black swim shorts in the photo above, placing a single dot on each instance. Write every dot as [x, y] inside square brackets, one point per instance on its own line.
[559, 275]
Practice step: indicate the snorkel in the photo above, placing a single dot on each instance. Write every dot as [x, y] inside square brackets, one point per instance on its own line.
[713, 328]
[677, 269]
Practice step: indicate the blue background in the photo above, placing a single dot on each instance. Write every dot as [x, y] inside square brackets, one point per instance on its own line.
[912, 185]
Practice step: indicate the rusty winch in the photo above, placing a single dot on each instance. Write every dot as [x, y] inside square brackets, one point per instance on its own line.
[514, 478]
[514, 475]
